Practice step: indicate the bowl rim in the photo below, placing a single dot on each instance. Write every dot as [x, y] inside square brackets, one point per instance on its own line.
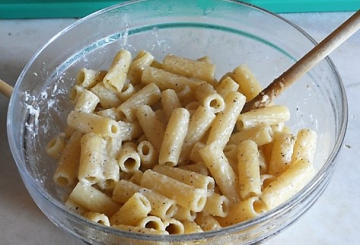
[310, 187]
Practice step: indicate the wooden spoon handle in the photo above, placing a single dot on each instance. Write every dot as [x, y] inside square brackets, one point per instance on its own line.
[5, 89]
[308, 61]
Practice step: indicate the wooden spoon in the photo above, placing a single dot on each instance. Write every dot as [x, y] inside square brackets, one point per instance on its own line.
[308, 61]
[5, 89]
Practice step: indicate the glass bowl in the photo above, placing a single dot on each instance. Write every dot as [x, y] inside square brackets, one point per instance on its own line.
[230, 33]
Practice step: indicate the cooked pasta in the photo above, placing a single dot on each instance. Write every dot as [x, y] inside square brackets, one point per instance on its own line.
[161, 147]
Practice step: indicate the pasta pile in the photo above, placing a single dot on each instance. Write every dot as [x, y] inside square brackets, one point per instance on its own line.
[163, 148]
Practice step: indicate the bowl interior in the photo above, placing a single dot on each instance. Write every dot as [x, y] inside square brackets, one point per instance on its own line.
[230, 33]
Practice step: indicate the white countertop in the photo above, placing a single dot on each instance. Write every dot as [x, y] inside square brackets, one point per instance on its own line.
[333, 220]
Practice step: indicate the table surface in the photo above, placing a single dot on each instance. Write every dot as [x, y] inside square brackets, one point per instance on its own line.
[332, 220]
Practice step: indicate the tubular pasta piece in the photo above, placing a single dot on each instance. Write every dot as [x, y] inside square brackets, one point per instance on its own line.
[66, 172]
[249, 85]
[261, 135]
[187, 177]
[207, 222]
[92, 156]
[108, 98]
[153, 128]
[152, 222]
[56, 146]
[287, 184]
[167, 80]
[209, 98]
[185, 195]
[75, 207]
[189, 68]
[148, 95]
[136, 208]
[221, 170]
[281, 153]
[248, 169]
[99, 201]
[86, 102]
[225, 121]
[127, 91]
[147, 155]
[129, 130]
[174, 136]
[75, 92]
[227, 85]
[305, 145]
[174, 226]
[129, 160]
[267, 115]
[111, 174]
[241, 211]
[169, 101]
[92, 123]
[88, 78]
[116, 76]
[217, 205]
[142, 59]
[161, 206]
[97, 218]
[183, 214]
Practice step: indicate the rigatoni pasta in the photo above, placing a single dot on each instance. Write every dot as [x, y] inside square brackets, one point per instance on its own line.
[267, 115]
[86, 102]
[92, 123]
[115, 78]
[161, 206]
[224, 123]
[248, 169]
[88, 78]
[281, 153]
[108, 98]
[174, 136]
[185, 195]
[148, 95]
[92, 157]
[143, 59]
[161, 147]
[220, 168]
[99, 201]
[56, 146]
[66, 173]
[249, 86]
[134, 210]
[188, 177]
[189, 68]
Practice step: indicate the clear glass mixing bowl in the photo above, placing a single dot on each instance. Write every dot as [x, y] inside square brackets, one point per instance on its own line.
[230, 33]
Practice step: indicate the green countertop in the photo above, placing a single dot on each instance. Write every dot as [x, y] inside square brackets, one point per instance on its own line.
[14, 9]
